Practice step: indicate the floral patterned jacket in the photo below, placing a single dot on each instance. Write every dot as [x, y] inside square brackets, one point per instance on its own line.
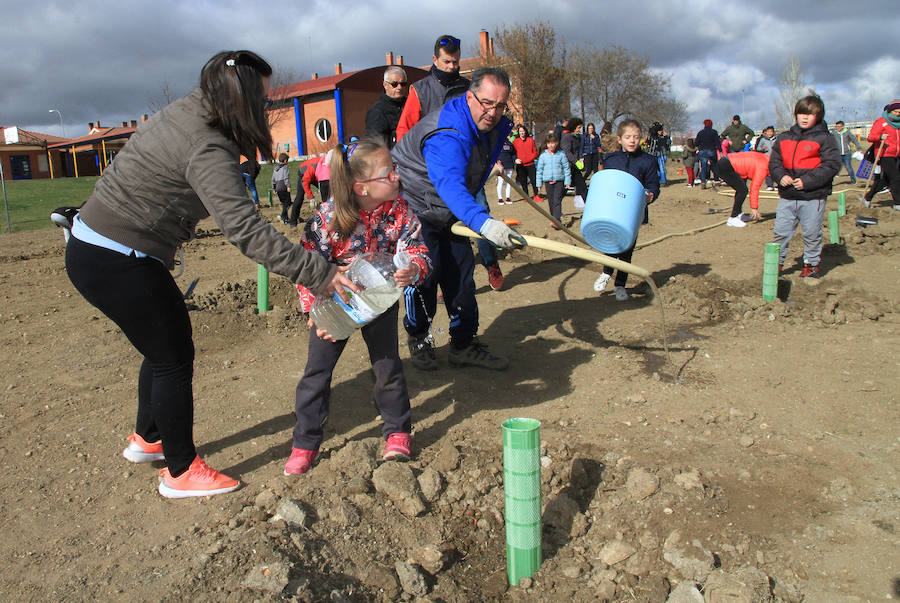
[390, 227]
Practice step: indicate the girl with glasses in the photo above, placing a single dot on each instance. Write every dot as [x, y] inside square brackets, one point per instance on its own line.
[365, 213]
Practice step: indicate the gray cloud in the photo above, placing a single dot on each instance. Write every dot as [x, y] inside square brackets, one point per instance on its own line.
[108, 60]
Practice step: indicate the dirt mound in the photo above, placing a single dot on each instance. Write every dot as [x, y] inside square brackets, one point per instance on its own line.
[757, 462]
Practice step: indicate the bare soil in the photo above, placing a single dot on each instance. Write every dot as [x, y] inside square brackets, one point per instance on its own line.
[766, 445]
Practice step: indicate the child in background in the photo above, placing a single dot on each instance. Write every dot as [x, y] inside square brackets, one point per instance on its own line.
[689, 158]
[645, 168]
[365, 213]
[804, 161]
[764, 145]
[281, 184]
[554, 170]
[506, 163]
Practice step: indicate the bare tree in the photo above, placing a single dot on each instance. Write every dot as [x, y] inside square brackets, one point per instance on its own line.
[166, 95]
[790, 90]
[535, 61]
[280, 106]
[621, 84]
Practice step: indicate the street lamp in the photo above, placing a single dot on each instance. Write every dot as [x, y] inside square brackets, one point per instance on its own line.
[61, 127]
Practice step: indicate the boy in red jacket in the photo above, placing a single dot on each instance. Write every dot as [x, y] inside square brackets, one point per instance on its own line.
[804, 161]
[736, 168]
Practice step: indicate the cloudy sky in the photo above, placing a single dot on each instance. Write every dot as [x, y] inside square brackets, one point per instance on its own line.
[109, 61]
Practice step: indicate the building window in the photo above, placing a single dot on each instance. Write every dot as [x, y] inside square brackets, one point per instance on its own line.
[323, 130]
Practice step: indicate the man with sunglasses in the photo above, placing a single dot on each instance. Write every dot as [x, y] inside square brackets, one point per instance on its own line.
[441, 84]
[444, 161]
[383, 116]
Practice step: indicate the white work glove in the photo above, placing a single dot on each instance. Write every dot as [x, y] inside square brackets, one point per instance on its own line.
[501, 235]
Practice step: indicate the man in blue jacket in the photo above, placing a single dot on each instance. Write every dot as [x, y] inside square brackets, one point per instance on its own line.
[444, 161]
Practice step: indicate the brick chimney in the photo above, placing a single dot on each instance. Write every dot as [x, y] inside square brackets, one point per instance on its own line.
[491, 46]
[484, 41]
[338, 69]
[90, 126]
[124, 124]
[389, 58]
[315, 76]
[133, 123]
[400, 60]
[144, 118]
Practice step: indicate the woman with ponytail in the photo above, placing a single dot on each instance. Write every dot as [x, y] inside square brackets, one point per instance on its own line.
[365, 213]
[181, 166]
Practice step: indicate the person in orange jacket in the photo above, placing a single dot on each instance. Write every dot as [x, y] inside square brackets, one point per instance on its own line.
[886, 132]
[734, 168]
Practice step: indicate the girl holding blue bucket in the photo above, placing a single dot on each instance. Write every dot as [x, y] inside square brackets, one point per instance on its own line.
[633, 160]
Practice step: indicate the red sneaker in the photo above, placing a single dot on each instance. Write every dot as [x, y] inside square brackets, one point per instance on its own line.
[396, 448]
[199, 480]
[495, 277]
[300, 462]
[140, 450]
[537, 199]
[810, 271]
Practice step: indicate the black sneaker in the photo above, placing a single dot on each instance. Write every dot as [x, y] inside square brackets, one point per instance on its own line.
[421, 352]
[477, 354]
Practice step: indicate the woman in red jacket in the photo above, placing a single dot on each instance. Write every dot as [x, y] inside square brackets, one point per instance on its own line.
[886, 132]
[526, 153]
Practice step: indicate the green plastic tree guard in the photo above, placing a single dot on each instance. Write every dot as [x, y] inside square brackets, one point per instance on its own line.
[770, 271]
[522, 487]
[262, 289]
[833, 228]
[842, 204]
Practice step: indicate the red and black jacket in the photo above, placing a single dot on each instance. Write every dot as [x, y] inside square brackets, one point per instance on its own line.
[811, 155]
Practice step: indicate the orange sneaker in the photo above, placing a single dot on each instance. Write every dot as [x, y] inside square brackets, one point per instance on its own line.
[140, 450]
[199, 480]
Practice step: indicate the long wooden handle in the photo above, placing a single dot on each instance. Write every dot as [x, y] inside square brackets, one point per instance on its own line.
[564, 248]
[515, 186]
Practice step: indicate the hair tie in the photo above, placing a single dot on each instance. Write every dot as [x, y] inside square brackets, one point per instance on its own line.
[348, 152]
[230, 62]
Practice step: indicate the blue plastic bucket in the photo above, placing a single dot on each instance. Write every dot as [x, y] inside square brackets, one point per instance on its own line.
[613, 212]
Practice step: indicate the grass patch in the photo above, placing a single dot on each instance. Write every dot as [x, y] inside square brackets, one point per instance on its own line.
[31, 201]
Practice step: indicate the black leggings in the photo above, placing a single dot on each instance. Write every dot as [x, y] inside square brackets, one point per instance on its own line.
[890, 171]
[526, 173]
[733, 179]
[141, 297]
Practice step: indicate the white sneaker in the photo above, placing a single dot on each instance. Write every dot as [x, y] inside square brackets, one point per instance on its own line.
[770, 188]
[601, 282]
[621, 294]
[736, 222]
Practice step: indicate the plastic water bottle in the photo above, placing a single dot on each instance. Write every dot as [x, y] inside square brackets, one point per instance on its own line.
[373, 273]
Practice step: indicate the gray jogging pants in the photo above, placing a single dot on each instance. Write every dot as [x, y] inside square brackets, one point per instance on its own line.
[809, 214]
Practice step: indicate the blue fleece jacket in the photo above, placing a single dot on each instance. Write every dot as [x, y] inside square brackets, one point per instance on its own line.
[448, 152]
[552, 167]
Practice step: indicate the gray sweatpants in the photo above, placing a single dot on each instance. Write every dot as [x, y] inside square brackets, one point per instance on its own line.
[809, 214]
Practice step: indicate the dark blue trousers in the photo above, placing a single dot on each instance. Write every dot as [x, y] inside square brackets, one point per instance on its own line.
[453, 264]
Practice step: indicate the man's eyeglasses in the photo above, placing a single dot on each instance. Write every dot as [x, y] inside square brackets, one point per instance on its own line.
[491, 105]
[449, 40]
[391, 176]
[395, 84]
